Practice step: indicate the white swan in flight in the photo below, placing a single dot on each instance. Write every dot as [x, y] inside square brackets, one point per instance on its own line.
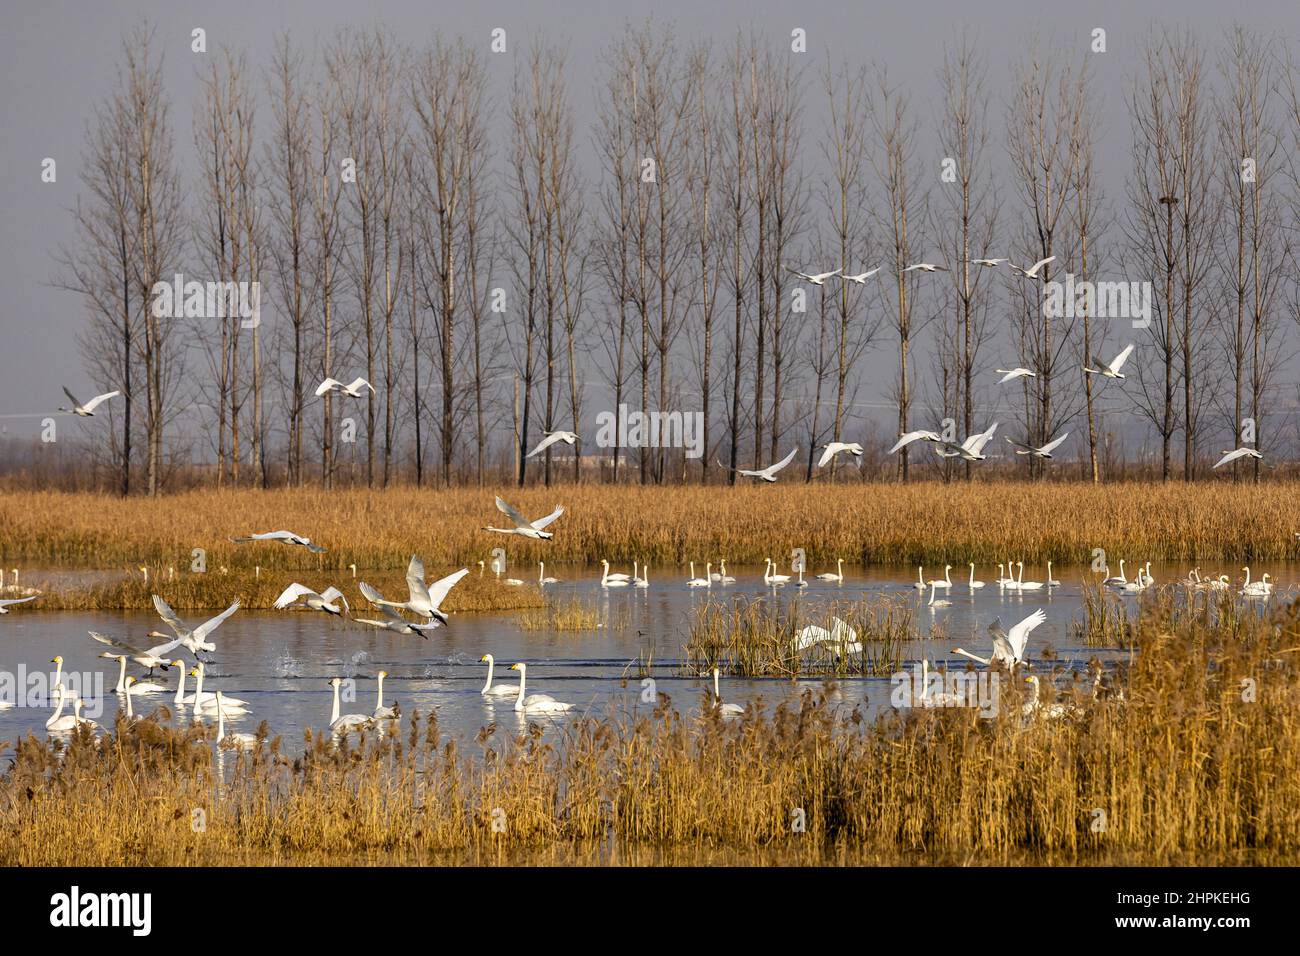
[6, 602]
[768, 473]
[910, 437]
[287, 537]
[523, 527]
[1044, 452]
[1032, 271]
[353, 388]
[392, 620]
[536, 703]
[862, 277]
[1111, 370]
[345, 723]
[495, 690]
[194, 640]
[152, 657]
[1008, 648]
[425, 601]
[817, 279]
[986, 263]
[87, 410]
[1011, 373]
[551, 438]
[303, 596]
[972, 449]
[831, 449]
[841, 638]
[1230, 456]
[924, 267]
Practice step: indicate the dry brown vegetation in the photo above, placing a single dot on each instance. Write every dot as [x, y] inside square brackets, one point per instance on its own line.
[1198, 762]
[862, 523]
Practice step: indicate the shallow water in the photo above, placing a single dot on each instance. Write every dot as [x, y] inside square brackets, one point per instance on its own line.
[281, 662]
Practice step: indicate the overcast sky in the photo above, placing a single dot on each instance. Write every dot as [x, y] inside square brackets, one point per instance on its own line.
[57, 58]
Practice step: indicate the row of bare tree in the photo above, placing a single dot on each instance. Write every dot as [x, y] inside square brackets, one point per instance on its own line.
[487, 271]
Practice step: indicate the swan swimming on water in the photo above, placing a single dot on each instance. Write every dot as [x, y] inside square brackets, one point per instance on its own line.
[495, 690]
[536, 703]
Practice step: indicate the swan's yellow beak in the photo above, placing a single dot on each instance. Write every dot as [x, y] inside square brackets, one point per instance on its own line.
[194, 672]
[483, 659]
[514, 667]
[56, 659]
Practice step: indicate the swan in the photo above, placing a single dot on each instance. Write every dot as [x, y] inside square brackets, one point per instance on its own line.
[1033, 706]
[6, 602]
[127, 685]
[285, 537]
[862, 277]
[206, 701]
[352, 389]
[87, 410]
[1022, 584]
[537, 703]
[767, 474]
[1229, 456]
[1260, 588]
[1139, 583]
[704, 582]
[1044, 451]
[395, 622]
[773, 579]
[947, 578]
[76, 715]
[513, 582]
[58, 721]
[1117, 581]
[973, 584]
[644, 580]
[541, 575]
[608, 580]
[1013, 373]
[941, 699]
[130, 711]
[943, 602]
[1113, 369]
[800, 582]
[550, 439]
[837, 575]
[303, 596]
[1221, 583]
[972, 449]
[495, 690]
[230, 741]
[381, 712]
[1032, 271]
[924, 267]
[1008, 648]
[194, 640]
[817, 279]
[424, 600]
[831, 449]
[841, 638]
[347, 722]
[920, 584]
[1051, 582]
[523, 527]
[726, 710]
[151, 658]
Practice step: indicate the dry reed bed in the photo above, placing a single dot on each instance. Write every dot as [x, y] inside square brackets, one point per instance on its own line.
[255, 592]
[864, 523]
[1186, 767]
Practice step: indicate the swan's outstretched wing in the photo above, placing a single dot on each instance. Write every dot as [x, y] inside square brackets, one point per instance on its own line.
[91, 405]
[1019, 636]
[114, 642]
[1121, 358]
[168, 615]
[914, 436]
[511, 513]
[773, 469]
[544, 444]
[332, 594]
[72, 398]
[357, 382]
[1054, 443]
[1227, 457]
[207, 627]
[415, 580]
[541, 523]
[372, 595]
[326, 385]
[439, 589]
[291, 594]
[827, 455]
[24, 600]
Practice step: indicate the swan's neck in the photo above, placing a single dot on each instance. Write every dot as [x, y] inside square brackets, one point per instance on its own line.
[716, 694]
[58, 673]
[121, 676]
[519, 699]
[198, 686]
[180, 687]
[221, 721]
[130, 712]
[334, 711]
[693, 571]
[488, 685]
[381, 692]
[58, 708]
[1247, 570]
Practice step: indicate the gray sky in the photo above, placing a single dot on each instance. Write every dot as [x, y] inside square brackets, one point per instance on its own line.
[57, 58]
